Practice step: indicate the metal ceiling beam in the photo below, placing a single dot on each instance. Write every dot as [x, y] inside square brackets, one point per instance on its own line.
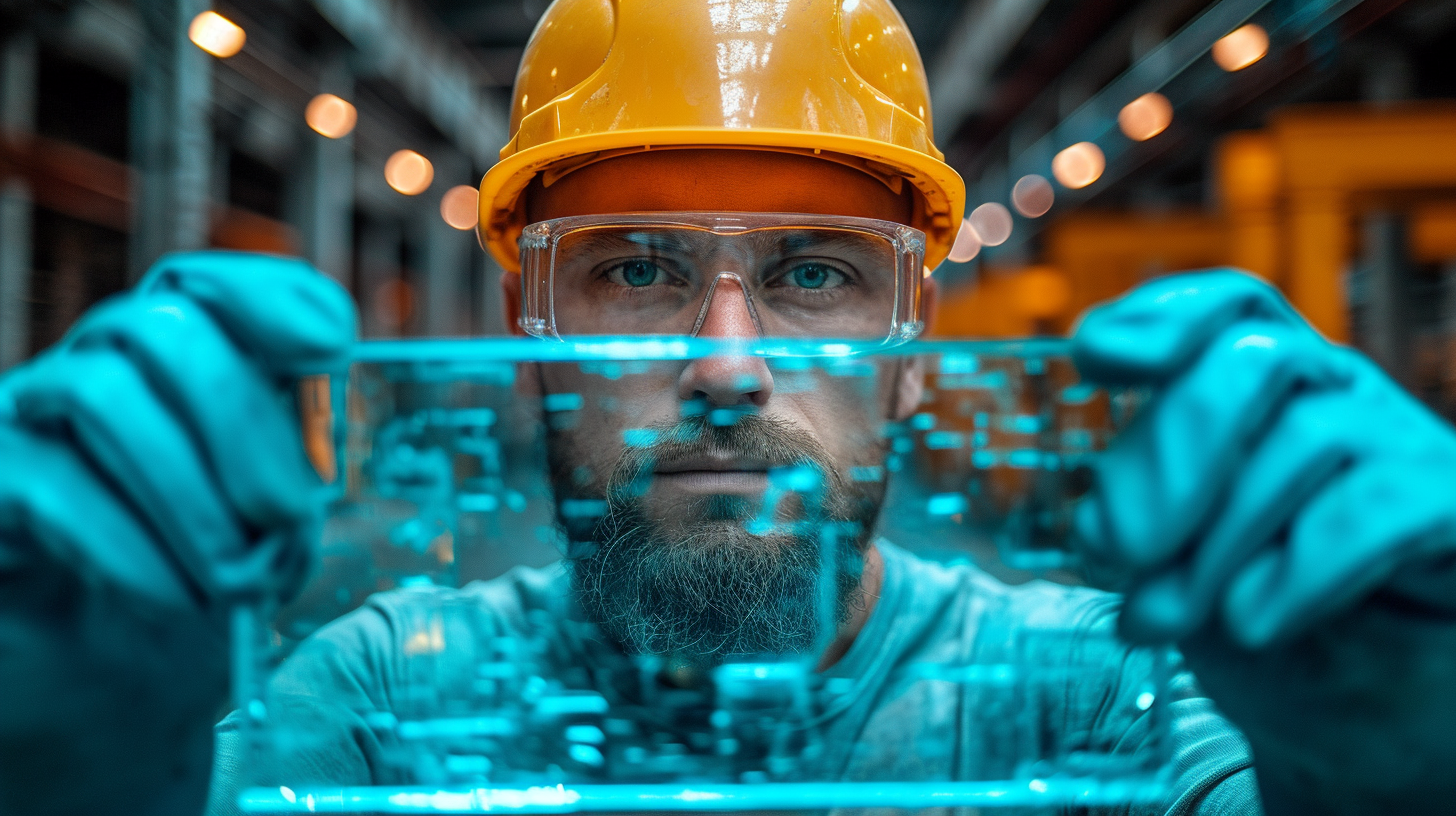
[980, 39]
[498, 24]
[435, 73]
[1096, 119]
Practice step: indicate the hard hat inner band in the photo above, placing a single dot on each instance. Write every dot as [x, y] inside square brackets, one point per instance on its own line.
[886, 175]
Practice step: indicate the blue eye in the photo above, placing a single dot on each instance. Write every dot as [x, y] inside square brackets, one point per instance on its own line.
[635, 274]
[815, 276]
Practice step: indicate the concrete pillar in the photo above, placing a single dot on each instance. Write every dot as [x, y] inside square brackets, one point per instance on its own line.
[15, 272]
[324, 198]
[171, 135]
[444, 266]
[1447, 327]
[17, 123]
[488, 274]
[380, 251]
[1385, 329]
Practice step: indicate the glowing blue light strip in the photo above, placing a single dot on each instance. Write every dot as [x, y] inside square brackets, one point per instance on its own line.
[520, 349]
[1088, 792]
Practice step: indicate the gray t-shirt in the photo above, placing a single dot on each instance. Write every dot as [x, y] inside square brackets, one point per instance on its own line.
[882, 715]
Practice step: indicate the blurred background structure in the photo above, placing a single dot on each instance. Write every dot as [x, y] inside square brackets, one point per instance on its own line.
[1312, 142]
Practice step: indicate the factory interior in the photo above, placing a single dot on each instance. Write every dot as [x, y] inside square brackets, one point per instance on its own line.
[1247, 530]
[1103, 142]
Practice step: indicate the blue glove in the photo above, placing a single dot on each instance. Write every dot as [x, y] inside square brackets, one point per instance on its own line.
[1286, 513]
[152, 473]
[168, 414]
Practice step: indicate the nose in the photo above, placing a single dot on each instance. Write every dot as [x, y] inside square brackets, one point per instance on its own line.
[727, 380]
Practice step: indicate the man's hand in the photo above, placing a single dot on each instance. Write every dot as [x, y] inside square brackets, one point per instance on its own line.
[152, 474]
[1287, 514]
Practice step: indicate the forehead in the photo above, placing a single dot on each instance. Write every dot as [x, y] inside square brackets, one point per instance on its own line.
[717, 180]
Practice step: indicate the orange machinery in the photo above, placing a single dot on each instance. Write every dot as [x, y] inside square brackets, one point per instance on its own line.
[1290, 196]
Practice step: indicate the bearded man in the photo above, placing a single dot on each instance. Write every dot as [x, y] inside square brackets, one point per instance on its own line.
[728, 169]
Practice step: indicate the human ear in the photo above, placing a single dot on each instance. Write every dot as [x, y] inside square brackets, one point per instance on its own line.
[511, 302]
[910, 375]
[929, 298]
[909, 388]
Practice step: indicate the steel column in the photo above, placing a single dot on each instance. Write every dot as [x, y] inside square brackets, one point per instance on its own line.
[17, 124]
[325, 216]
[171, 130]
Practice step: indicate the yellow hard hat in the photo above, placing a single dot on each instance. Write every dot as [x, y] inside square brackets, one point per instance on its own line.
[838, 79]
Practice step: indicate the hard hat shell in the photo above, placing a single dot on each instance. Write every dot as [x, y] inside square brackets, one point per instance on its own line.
[837, 79]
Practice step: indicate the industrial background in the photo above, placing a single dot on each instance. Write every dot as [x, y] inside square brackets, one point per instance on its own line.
[1312, 142]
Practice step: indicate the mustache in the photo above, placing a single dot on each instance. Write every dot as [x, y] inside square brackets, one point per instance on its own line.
[754, 439]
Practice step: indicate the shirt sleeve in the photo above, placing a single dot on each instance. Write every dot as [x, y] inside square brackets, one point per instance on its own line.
[1212, 767]
[333, 706]
[1214, 773]
[319, 707]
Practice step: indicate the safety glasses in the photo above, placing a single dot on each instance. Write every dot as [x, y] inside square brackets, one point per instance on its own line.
[794, 275]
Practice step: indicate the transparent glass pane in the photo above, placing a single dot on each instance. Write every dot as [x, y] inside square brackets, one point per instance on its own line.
[557, 579]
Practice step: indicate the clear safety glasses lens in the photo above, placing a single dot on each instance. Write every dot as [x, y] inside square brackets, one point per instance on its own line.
[716, 274]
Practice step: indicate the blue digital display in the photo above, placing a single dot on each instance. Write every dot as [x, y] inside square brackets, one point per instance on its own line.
[473, 645]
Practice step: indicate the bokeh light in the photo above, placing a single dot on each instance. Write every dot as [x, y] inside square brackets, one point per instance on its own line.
[967, 244]
[216, 34]
[460, 207]
[1241, 47]
[331, 116]
[992, 223]
[1033, 196]
[1145, 117]
[1079, 165]
[1042, 293]
[408, 172]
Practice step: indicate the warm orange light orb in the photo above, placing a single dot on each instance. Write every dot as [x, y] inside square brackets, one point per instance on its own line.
[460, 207]
[331, 116]
[216, 34]
[1241, 47]
[1145, 117]
[1033, 196]
[1079, 165]
[408, 172]
[967, 244]
[992, 223]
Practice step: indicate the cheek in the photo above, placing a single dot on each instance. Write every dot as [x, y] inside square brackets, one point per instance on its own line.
[845, 413]
[592, 412]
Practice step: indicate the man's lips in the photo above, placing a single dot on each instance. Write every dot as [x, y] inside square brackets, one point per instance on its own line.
[712, 474]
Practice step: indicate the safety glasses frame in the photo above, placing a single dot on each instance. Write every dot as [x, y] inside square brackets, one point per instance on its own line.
[540, 244]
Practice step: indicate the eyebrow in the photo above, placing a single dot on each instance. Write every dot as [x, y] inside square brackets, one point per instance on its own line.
[797, 240]
[598, 240]
[762, 242]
